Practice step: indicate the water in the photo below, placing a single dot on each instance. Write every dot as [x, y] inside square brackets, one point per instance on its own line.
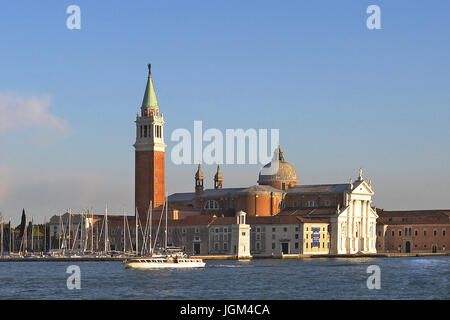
[401, 278]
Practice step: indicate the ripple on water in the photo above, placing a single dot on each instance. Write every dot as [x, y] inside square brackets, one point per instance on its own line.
[401, 278]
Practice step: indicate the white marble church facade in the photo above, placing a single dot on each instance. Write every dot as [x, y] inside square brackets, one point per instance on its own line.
[354, 226]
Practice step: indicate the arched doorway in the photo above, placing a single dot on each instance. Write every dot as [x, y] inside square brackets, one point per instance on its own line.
[434, 248]
[408, 247]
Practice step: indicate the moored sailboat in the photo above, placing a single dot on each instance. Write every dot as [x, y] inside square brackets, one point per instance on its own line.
[167, 259]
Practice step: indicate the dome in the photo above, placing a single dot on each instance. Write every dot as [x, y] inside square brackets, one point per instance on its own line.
[285, 171]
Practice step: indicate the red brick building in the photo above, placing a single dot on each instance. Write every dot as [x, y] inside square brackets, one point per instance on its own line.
[413, 231]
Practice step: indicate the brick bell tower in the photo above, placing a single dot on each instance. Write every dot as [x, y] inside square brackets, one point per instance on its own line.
[149, 153]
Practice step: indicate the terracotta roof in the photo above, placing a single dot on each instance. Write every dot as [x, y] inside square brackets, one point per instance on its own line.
[207, 220]
[223, 221]
[309, 212]
[413, 217]
[219, 192]
[319, 188]
[281, 220]
[413, 213]
[260, 189]
[197, 220]
[414, 220]
[183, 196]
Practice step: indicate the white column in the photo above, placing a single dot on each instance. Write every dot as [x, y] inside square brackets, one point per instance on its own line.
[354, 227]
[349, 227]
[368, 236]
[339, 237]
[363, 225]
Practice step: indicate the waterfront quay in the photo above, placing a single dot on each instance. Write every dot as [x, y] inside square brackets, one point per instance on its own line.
[225, 257]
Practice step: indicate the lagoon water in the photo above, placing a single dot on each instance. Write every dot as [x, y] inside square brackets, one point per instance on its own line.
[318, 278]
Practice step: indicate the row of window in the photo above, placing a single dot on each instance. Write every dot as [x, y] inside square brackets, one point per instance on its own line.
[416, 232]
[145, 130]
[312, 203]
[307, 236]
[274, 229]
[259, 230]
[317, 245]
[311, 229]
[296, 245]
[216, 230]
[217, 246]
[224, 237]
[416, 246]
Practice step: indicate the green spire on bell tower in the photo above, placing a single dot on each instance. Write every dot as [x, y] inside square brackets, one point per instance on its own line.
[150, 95]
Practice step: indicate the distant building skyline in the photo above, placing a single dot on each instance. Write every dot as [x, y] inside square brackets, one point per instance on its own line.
[335, 89]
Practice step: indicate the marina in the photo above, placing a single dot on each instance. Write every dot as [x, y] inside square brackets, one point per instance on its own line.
[87, 258]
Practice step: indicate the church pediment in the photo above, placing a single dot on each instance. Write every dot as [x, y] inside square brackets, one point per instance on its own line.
[362, 187]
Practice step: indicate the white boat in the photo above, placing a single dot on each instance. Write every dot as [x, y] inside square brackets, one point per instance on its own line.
[164, 262]
[168, 257]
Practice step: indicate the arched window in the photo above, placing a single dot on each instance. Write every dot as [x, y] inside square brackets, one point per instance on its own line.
[311, 203]
[211, 205]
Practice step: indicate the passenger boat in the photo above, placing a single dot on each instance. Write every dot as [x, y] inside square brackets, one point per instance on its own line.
[167, 257]
[160, 262]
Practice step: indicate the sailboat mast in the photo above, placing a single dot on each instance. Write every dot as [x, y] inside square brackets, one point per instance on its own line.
[97, 235]
[144, 249]
[24, 248]
[38, 245]
[70, 226]
[86, 231]
[165, 236]
[1, 235]
[106, 227]
[32, 242]
[137, 235]
[129, 235]
[150, 231]
[81, 233]
[13, 242]
[124, 243]
[60, 232]
[45, 234]
[92, 232]
[10, 236]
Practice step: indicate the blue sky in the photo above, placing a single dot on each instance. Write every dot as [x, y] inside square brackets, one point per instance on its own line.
[343, 96]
